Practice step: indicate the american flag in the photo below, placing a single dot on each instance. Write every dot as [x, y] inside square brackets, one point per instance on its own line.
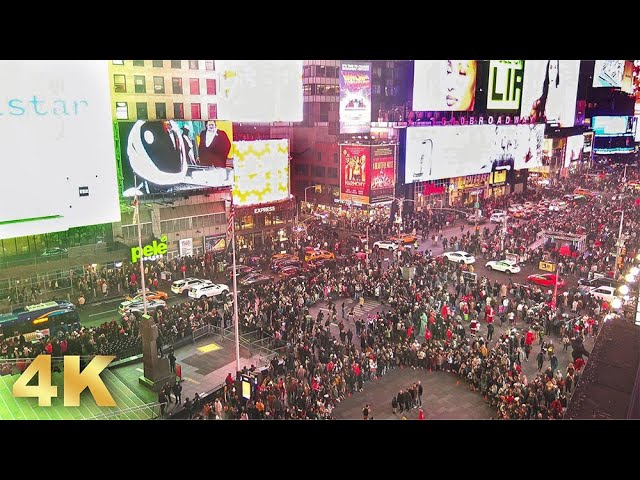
[230, 224]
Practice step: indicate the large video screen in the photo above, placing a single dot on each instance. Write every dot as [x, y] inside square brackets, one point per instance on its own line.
[573, 150]
[588, 141]
[169, 156]
[355, 168]
[262, 171]
[605, 144]
[58, 161]
[383, 172]
[444, 85]
[608, 73]
[433, 153]
[615, 125]
[505, 84]
[355, 97]
[550, 90]
[260, 90]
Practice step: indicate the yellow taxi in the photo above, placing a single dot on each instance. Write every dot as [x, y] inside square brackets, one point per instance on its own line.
[405, 238]
[318, 255]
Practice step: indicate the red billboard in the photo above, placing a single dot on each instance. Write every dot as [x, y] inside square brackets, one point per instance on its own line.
[354, 173]
[383, 172]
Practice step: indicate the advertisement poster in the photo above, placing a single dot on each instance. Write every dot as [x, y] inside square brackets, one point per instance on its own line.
[383, 170]
[58, 161]
[260, 90]
[433, 153]
[355, 97]
[186, 247]
[261, 171]
[588, 141]
[169, 156]
[573, 150]
[550, 90]
[608, 73]
[215, 243]
[444, 85]
[354, 173]
[505, 84]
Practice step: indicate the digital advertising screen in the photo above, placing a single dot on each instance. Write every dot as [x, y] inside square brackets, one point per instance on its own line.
[573, 150]
[383, 172]
[58, 161]
[550, 90]
[444, 85]
[604, 144]
[354, 173]
[261, 171]
[169, 156]
[504, 90]
[215, 243]
[608, 73]
[588, 142]
[616, 125]
[434, 153]
[260, 90]
[355, 97]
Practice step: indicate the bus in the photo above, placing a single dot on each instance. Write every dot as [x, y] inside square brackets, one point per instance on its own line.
[48, 318]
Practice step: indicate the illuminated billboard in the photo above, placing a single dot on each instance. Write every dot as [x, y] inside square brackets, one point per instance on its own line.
[260, 90]
[433, 153]
[614, 125]
[58, 161]
[444, 85]
[355, 97]
[169, 156]
[354, 173]
[608, 73]
[550, 90]
[504, 91]
[261, 171]
[383, 172]
[588, 142]
[573, 150]
[605, 144]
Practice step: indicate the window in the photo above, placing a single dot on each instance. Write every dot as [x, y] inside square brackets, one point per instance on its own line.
[213, 111]
[196, 113]
[211, 86]
[333, 172]
[321, 71]
[157, 63]
[318, 171]
[335, 158]
[119, 84]
[178, 110]
[209, 65]
[319, 156]
[158, 84]
[161, 110]
[194, 86]
[117, 62]
[301, 169]
[332, 72]
[138, 63]
[306, 90]
[139, 84]
[176, 82]
[327, 90]
[122, 111]
[306, 71]
[324, 112]
[142, 113]
[176, 63]
[193, 65]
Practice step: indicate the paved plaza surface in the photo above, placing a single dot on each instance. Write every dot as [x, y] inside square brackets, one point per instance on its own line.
[446, 397]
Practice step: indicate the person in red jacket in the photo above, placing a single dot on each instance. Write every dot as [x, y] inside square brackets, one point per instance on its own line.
[420, 414]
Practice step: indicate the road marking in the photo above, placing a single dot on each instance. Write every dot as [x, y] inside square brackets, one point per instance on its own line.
[211, 347]
[334, 324]
[101, 313]
[139, 369]
[191, 380]
[104, 302]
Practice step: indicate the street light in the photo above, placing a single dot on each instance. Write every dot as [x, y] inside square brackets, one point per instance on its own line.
[624, 289]
[135, 193]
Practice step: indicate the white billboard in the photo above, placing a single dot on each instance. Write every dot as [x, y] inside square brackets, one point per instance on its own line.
[444, 85]
[608, 73]
[433, 153]
[574, 149]
[260, 90]
[261, 171]
[550, 90]
[58, 164]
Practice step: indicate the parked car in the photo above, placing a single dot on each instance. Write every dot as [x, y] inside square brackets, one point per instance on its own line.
[498, 216]
[323, 263]
[180, 287]
[151, 295]
[508, 266]
[598, 282]
[476, 219]
[291, 271]
[546, 280]
[603, 293]
[358, 238]
[386, 245]
[241, 271]
[289, 262]
[318, 255]
[460, 257]
[405, 238]
[208, 290]
[255, 279]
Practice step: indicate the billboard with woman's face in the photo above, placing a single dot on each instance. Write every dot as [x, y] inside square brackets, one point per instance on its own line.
[444, 85]
[550, 90]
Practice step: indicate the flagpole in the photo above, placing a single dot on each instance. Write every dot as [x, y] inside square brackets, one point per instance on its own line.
[136, 215]
[235, 287]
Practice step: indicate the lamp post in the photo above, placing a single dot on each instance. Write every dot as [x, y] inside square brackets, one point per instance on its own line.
[619, 244]
[135, 193]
